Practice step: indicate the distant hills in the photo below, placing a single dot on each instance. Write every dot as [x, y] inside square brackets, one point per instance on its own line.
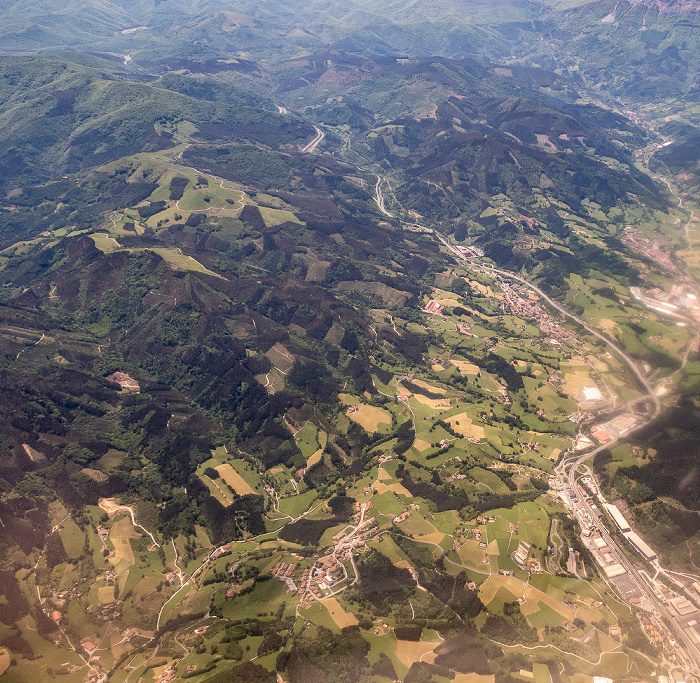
[91, 113]
[628, 49]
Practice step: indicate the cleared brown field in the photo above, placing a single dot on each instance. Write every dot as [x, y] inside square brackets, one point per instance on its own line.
[338, 614]
[515, 586]
[429, 387]
[4, 661]
[106, 594]
[408, 652]
[417, 525]
[383, 475]
[488, 589]
[589, 613]
[465, 367]
[462, 424]
[484, 289]
[434, 403]
[400, 489]
[529, 607]
[316, 457]
[369, 417]
[235, 480]
[119, 534]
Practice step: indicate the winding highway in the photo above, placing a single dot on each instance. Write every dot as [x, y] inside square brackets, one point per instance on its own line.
[554, 559]
[379, 197]
[308, 149]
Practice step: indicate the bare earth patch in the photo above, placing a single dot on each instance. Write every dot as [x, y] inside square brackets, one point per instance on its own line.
[33, 454]
[4, 661]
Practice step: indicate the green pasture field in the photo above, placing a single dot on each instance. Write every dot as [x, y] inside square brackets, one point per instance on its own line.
[545, 616]
[489, 480]
[388, 547]
[248, 473]
[387, 503]
[307, 440]
[317, 614]
[175, 600]
[104, 242]
[447, 522]
[182, 261]
[73, 538]
[274, 217]
[267, 596]
[296, 505]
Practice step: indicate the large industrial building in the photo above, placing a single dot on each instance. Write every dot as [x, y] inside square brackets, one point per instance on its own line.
[618, 517]
[640, 545]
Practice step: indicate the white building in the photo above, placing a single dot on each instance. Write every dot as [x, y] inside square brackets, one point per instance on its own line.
[640, 545]
[618, 517]
[592, 394]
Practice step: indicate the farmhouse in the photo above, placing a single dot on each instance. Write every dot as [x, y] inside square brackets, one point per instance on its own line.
[433, 307]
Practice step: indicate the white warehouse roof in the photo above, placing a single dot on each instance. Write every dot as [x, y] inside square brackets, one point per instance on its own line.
[592, 394]
[638, 542]
[618, 517]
